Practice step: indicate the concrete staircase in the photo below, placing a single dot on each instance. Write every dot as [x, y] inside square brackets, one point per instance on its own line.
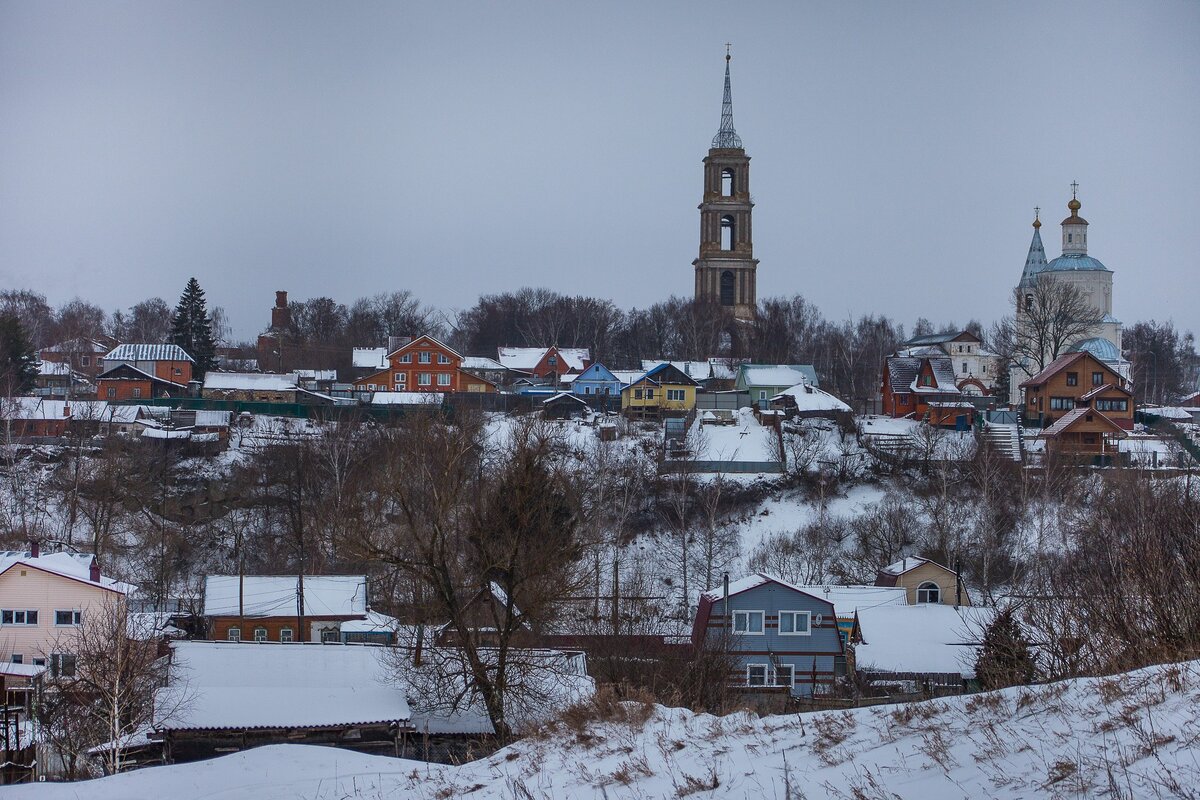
[1006, 439]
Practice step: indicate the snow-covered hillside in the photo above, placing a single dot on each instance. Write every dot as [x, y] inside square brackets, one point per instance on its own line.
[1128, 736]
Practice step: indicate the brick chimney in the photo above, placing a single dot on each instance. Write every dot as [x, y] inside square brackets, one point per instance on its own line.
[94, 572]
[281, 315]
[35, 548]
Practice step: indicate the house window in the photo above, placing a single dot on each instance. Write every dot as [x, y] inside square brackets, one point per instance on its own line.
[234, 635]
[1112, 405]
[17, 658]
[785, 675]
[964, 368]
[260, 634]
[423, 357]
[137, 391]
[110, 392]
[637, 394]
[748, 622]
[1032, 402]
[39, 662]
[62, 664]
[68, 617]
[1062, 403]
[85, 361]
[424, 379]
[756, 674]
[1097, 378]
[178, 371]
[675, 394]
[927, 380]
[795, 623]
[443, 358]
[762, 394]
[587, 390]
[649, 394]
[552, 361]
[15, 617]
[929, 592]
[1072, 379]
[405, 358]
[285, 634]
[444, 379]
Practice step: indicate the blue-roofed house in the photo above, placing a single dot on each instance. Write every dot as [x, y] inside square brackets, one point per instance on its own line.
[780, 634]
[597, 381]
[662, 391]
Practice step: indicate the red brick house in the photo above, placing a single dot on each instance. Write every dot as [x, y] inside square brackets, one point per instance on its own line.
[423, 365]
[545, 362]
[144, 371]
[83, 356]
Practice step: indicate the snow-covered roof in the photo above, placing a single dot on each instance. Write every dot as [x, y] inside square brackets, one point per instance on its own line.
[526, 359]
[212, 419]
[80, 346]
[778, 374]
[566, 395]
[406, 399]
[627, 376]
[54, 368]
[164, 433]
[810, 398]
[77, 566]
[904, 565]
[848, 599]
[474, 363]
[234, 685]
[903, 373]
[1170, 412]
[927, 637]
[369, 358]
[371, 621]
[1071, 417]
[21, 670]
[147, 352]
[276, 595]
[31, 408]
[249, 381]
[750, 582]
[122, 415]
[314, 374]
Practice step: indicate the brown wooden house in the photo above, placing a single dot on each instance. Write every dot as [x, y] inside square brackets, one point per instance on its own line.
[267, 608]
[924, 388]
[1078, 380]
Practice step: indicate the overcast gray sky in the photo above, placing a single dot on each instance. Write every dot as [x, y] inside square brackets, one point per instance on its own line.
[455, 149]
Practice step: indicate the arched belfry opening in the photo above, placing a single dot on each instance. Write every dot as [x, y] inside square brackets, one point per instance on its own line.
[728, 232]
[726, 269]
[728, 284]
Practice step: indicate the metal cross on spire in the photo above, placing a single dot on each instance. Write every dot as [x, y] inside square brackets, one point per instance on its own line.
[1037, 212]
[1074, 189]
[726, 136]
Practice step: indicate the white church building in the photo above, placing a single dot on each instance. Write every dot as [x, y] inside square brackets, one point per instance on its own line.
[1093, 280]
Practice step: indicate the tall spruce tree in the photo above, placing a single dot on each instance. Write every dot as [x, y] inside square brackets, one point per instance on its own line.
[191, 328]
[1005, 659]
[18, 364]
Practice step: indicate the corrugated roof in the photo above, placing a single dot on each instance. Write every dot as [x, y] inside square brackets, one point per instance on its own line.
[148, 352]
[276, 595]
[249, 381]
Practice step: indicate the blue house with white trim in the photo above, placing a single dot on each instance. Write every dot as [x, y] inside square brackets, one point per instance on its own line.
[597, 380]
[782, 635]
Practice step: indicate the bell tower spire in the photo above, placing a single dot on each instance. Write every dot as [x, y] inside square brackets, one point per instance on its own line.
[726, 269]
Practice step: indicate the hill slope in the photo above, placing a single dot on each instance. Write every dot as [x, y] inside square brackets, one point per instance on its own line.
[1135, 735]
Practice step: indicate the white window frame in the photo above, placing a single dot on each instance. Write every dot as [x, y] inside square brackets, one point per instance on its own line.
[24, 612]
[257, 631]
[766, 674]
[424, 357]
[925, 588]
[405, 358]
[793, 632]
[443, 379]
[234, 634]
[676, 395]
[424, 379]
[76, 616]
[286, 635]
[746, 616]
[402, 378]
[443, 358]
[791, 671]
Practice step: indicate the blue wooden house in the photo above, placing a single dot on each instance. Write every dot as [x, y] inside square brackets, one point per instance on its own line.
[782, 636]
[597, 380]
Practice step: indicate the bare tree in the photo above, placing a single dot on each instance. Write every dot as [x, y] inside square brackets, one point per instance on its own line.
[103, 692]
[1050, 316]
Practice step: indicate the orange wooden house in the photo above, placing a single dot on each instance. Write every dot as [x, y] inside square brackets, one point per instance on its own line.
[924, 388]
[423, 365]
[1074, 381]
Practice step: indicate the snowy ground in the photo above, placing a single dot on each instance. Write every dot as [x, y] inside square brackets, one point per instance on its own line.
[1128, 736]
[791, 511]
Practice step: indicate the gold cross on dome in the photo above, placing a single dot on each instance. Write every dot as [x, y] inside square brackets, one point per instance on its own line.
[1074, 189]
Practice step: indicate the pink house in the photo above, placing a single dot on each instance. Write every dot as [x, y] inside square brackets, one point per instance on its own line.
[44, 599]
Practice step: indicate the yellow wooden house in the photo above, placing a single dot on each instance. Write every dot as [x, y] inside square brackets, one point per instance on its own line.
[665, 390]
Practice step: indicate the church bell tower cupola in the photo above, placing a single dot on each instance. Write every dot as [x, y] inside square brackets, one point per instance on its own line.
[726, 267]
[1074, 227]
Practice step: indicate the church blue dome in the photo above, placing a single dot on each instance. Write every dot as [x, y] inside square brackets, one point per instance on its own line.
[1101, 348]
[1067, 263]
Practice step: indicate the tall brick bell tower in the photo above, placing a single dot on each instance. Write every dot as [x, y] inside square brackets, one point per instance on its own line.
[726, 268]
